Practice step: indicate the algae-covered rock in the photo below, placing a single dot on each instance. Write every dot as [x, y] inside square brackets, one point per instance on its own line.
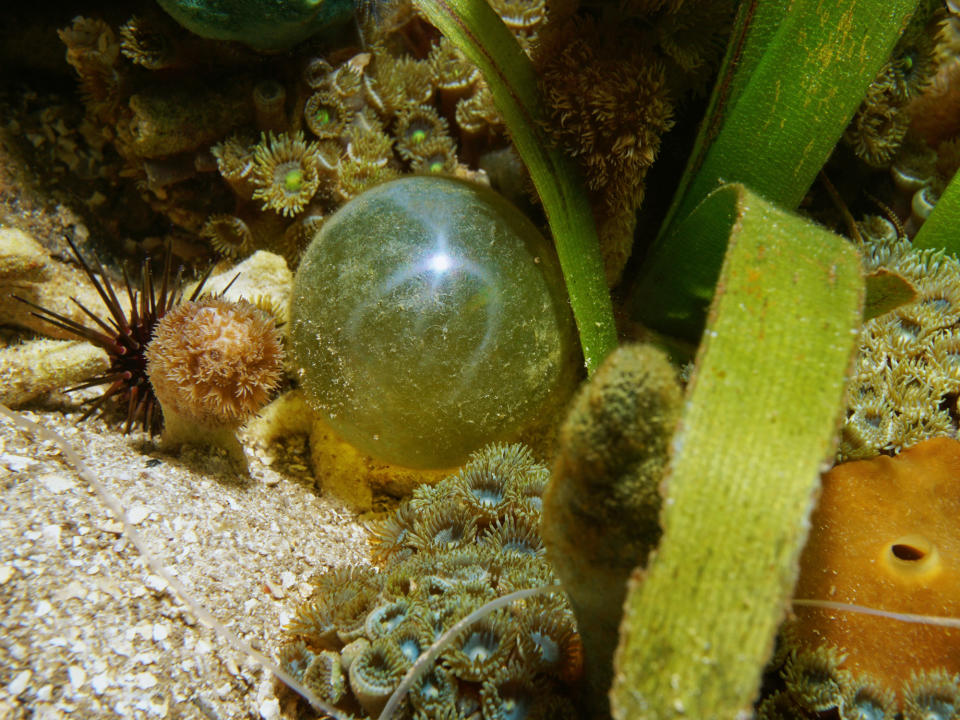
[185, 117]
[261, 24]
[41, 366]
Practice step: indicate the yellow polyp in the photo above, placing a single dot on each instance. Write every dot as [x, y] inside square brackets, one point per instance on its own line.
[357, 479]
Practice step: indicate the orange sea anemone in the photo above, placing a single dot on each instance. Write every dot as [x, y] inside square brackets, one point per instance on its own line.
[214, 362]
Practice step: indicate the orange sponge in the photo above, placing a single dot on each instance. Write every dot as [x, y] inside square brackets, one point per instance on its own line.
[885, 535]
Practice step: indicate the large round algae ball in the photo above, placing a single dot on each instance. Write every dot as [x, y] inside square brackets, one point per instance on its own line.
[428, 318]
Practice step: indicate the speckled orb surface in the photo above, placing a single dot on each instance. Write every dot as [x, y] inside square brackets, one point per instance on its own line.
[429, 318]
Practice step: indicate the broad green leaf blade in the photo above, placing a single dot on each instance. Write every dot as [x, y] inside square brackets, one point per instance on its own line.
[798, 94]
[760, 420]
[481, 35]
[754, 29]
[941, 231]
[675, 302]
[886, 290]
[793, 77]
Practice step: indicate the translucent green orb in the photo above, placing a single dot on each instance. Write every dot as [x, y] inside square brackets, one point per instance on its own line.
[429, 318]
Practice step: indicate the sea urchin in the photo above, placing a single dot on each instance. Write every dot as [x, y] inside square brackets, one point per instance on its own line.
[124, 335]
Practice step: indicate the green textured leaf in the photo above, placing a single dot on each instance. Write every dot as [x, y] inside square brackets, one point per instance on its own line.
[677, 302]
[941, 231]
[481, 35]
[793, 76]
[886, 290]
[760, 420]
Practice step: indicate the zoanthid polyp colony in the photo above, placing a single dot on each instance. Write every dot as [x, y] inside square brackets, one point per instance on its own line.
[446, 551]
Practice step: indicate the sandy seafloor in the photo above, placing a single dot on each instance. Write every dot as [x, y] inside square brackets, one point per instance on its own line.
[88, 631]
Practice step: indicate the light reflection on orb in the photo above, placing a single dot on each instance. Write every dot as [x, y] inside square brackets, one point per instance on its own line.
[439, 262]
[428, 319]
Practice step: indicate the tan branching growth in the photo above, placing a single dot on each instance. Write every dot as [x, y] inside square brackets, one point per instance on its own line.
[608, 106]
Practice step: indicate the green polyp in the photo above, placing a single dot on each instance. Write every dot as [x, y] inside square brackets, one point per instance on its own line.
[268, 25]
[429, 318]
[293, 180]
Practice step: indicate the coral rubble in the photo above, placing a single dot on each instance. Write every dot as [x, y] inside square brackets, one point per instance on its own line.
[175, 118]
[41, 366]
[184, 116]
[28, 271]
[446, 551]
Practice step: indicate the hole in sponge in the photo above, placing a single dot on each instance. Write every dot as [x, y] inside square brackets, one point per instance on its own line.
[904, 551]
[911, 558]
